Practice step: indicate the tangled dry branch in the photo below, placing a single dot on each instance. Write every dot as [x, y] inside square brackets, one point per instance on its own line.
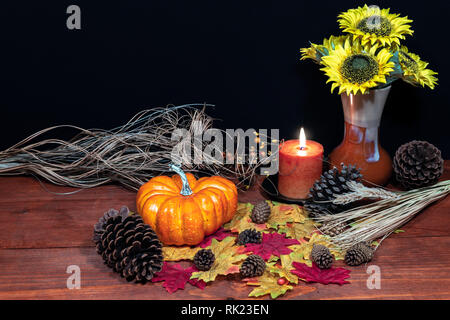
[129, 154]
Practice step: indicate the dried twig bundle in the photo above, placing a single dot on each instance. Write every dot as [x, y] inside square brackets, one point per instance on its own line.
[130, 154]
[379, 219]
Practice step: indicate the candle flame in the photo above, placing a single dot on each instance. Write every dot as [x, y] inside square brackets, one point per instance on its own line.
[302, 143]
[302, 139]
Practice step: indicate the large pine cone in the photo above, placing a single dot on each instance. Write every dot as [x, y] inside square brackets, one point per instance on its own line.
[417, 164]
[331, 183]
[128, 245]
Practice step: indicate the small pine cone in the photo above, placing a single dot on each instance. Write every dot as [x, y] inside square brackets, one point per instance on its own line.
[128, 245]
[253, 266]
[204, 259]
[261, 212]
[417, 164]
[321, 256]
[249, 236]
[331, 183]
[332, 230]
[358, 254]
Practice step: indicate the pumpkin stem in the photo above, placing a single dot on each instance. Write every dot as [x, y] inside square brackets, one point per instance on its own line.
[185, 189]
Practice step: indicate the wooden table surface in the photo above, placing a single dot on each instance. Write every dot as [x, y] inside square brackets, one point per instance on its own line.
[41, 234]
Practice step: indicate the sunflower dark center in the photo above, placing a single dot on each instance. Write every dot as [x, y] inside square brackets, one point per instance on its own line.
[381, 26]
[408, 61]
[359, 68]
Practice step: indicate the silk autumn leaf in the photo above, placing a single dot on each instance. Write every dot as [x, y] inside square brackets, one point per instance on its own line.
[242, 221]
[281, 214]
[306, 246]
[298, 230]
[175, 277]
[284, 269]
[324, 276]
[179, 253]
[226, 257]
[220, 234]
[272, 244]
[267, 284]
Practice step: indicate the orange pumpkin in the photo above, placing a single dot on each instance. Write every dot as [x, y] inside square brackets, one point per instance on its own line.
[183, 210]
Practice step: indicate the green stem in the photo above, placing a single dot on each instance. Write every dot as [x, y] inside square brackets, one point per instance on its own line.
[185, 189]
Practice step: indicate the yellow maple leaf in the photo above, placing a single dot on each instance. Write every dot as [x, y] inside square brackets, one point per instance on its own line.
[316, 238]
[242, 221]
[281, 214]
[179, 253]
[284, 270]
[225, 261]
[298, 230]
[267, 284]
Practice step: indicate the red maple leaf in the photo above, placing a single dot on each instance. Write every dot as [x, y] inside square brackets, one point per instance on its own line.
[220, 234]
[175, 277]
[271, 244]
[285, 207]
[324, 276]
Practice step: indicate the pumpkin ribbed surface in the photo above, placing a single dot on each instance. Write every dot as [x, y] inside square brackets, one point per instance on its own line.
[186, 219]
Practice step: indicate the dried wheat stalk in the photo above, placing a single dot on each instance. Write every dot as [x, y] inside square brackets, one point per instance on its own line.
[359, 192]
[379, 219]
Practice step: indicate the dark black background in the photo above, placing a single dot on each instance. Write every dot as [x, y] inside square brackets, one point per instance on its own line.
[242, 56]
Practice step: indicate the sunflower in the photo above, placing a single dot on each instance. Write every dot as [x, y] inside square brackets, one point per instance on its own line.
[374, 25]
[317, 51]
[357, 70]
[415, 70]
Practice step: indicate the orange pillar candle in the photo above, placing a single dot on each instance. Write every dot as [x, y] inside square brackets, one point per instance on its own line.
[300, 165]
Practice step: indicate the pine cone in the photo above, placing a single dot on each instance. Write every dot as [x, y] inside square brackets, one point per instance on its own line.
[331, 183]
[261, 212]
[315, 209]
[253, 266]
[249, 236]
[99, 227]
[321, 256]
[332, 229]
[204, 259]
[417, 164]
[358, 254]
[128, 245]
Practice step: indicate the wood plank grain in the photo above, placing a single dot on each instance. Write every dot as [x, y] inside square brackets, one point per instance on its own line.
[31, 217]
[410, 269]
[41, 233]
